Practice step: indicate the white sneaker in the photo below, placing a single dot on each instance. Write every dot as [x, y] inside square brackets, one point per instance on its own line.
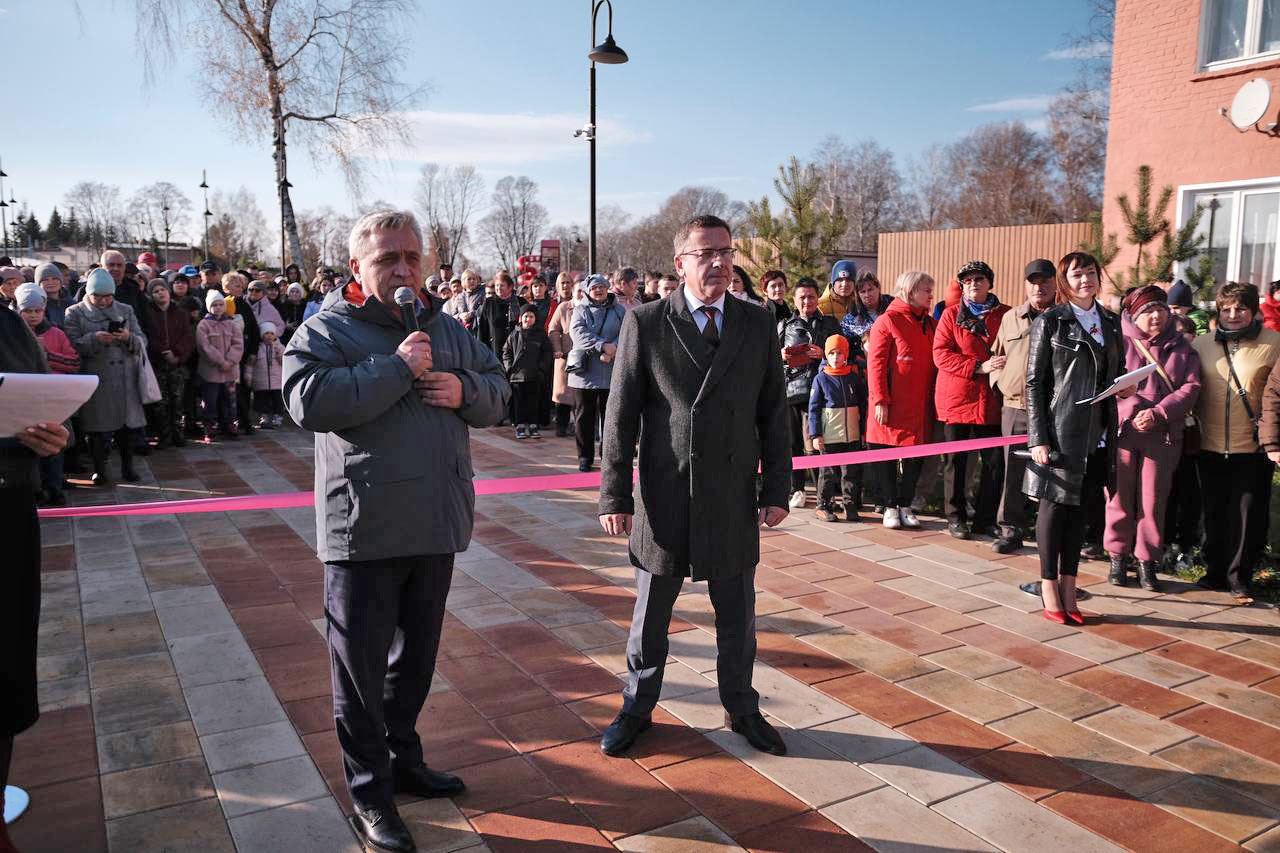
[892, 518]
[797, 499]
[908, 517]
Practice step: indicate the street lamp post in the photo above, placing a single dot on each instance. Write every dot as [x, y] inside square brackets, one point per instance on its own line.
[164, 211]
[607, 53]
[4, 224]
[204, 185]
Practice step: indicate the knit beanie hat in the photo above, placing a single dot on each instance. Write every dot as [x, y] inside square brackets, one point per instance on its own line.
[213, 297]
[296, 288]
[1144, 296]
[529, 308]
[268, 326]
[44, 271]
[837, 343]
[99, 283]
[29, 296]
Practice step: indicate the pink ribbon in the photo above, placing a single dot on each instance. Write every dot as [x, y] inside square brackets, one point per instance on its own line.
[516, 485]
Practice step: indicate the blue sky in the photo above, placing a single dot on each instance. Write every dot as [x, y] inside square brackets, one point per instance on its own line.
[716, 92]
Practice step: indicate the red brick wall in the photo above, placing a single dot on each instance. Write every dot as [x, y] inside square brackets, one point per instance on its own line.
[1164, 113]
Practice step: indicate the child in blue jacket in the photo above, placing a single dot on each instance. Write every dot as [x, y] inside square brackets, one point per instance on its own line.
[837, 402]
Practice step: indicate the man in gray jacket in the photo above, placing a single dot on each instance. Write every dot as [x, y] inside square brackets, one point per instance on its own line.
[698, 384]
[394, 502]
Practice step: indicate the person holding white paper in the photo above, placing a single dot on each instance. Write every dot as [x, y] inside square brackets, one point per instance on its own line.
[1075, 352]
[1149, 443]
[20, 352]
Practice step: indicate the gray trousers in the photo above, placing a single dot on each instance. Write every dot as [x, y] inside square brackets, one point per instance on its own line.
[734, 600]
[1012, 517]
[384, 619]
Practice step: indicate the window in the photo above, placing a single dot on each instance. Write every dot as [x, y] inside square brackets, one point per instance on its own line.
[1239, 31]
[1241, 227]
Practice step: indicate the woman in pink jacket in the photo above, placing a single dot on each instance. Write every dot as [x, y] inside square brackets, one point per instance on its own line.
[1149, 441]
[220, 343]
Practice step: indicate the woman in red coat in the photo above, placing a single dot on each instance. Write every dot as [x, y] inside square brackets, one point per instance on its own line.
[968, 404]
[900, 375]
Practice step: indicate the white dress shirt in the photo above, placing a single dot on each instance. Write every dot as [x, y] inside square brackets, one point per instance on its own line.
[700, 317]
[1090, 320]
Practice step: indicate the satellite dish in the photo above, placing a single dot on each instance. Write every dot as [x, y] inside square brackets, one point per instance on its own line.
[1250, 103]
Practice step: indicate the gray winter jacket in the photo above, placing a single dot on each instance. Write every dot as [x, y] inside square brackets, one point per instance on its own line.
[593, 326]
[393, 475]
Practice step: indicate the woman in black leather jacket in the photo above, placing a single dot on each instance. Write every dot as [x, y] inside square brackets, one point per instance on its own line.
[1076, 350]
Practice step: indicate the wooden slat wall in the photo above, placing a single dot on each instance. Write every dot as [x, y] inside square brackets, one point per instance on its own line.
[1008, 250]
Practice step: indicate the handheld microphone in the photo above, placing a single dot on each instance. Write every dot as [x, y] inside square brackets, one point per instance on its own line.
[407, 300]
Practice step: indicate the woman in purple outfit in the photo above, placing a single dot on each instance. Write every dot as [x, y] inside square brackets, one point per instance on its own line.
[1149, 442]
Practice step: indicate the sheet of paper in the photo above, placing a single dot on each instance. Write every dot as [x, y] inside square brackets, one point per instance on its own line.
[1128, 380]
[32, 398]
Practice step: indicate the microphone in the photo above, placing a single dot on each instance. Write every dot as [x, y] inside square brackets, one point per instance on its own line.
[406, 299]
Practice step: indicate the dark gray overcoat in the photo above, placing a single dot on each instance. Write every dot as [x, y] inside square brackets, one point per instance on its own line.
[704, 420]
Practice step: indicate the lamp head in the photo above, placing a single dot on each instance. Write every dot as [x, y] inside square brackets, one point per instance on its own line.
[608, 52]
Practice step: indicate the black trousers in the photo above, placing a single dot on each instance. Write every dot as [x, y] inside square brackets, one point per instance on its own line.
[244, 405]
[384, 619]
[734, 600]
[848, 478]
[1060, 528]
[799, 414]
[268, 402]
[527, 397]
[898, 479]
[1237, 513]
[562, 412]
[955, 468]
[588, 409]
[19, 611]
[1182, 514]
[1013, 512]
[172, 380]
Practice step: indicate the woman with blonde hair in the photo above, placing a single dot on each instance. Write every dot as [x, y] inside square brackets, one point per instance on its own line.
[563, 397]
[900, 379]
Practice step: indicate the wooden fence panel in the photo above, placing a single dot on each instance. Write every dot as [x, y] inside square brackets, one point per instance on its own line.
[1007, 249]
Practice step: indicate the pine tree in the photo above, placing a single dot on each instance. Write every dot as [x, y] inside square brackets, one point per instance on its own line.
[1145, 223]
[54, 231]
[804, 236]
[1201, 277]
[1178, 247]
[74, 235]
[1101, 245]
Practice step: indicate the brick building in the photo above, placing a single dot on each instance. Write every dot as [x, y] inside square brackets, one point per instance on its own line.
[1176, 65]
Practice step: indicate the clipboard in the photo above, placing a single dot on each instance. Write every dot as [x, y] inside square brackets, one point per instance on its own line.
[1128, 380]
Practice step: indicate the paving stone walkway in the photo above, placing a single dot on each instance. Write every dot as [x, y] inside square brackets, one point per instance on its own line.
[925, 702]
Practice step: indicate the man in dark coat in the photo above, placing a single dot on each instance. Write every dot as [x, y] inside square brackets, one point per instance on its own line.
[697, 381]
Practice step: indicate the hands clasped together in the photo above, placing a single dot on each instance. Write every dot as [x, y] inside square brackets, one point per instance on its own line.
[435, 388]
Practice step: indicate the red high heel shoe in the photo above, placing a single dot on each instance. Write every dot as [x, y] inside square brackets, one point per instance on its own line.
[1076, 616]
[1056, 616]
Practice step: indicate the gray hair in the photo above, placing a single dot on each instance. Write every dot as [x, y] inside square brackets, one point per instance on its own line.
[380, 220]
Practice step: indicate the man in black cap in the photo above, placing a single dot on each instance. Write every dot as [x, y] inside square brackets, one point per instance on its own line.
[1040, 286]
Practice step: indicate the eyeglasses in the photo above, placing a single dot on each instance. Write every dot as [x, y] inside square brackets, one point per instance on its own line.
[708, 255]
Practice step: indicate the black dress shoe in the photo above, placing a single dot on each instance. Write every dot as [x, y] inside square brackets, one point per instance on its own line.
[758, 732]
[622, 733]
[584, 465]
[422, 781]
[958, 529]
[1006, 545]
[130, 475]
[381, 829]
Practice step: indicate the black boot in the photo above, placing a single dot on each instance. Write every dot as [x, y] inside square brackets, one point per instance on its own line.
[1119, 575]
[1147, 575]
[126, 461]
[98, 451]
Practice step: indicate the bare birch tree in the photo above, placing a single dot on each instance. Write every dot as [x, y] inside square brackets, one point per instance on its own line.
[157, 205]
[863, 181]
[447, 199]
[96, 207]
[516, 222]
[324, 69]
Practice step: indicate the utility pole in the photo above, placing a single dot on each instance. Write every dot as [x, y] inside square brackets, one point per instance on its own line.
[204, 185]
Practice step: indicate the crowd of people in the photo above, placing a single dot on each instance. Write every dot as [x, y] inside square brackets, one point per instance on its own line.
[1183, 465]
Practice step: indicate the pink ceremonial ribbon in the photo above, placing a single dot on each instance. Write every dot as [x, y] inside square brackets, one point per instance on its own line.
[517, 485]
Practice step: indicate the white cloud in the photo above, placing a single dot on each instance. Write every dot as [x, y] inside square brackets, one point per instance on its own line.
[1093, 50]
[501, 139]
[1027, 104]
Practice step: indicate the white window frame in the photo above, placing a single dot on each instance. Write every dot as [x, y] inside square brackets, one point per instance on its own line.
[1240, 189]
[1252, 32]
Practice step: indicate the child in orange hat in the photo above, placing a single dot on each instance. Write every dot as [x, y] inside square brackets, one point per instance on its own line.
[837, 401]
